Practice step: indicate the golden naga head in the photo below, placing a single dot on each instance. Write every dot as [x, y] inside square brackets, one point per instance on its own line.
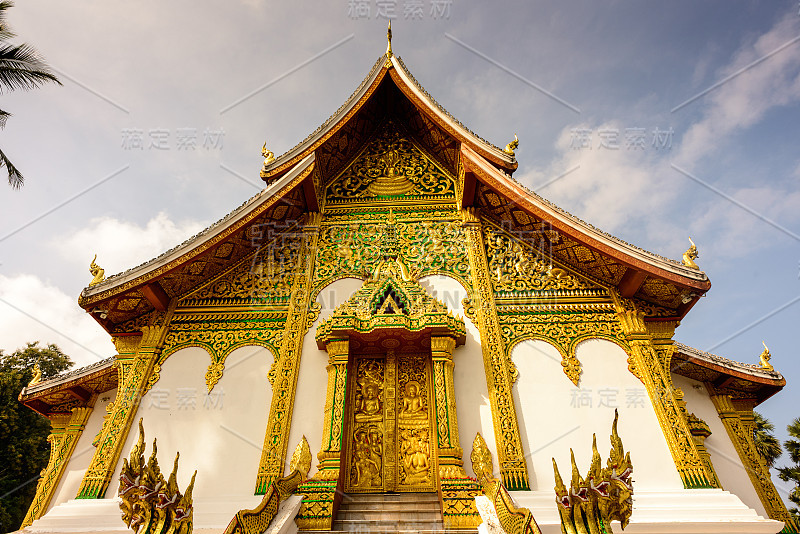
[481, 458]
[690, 255]
[512, 146]
[269, 155]
[765, 357]
[97, 272]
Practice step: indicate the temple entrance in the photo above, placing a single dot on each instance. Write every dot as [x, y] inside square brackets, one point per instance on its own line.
[390, 440]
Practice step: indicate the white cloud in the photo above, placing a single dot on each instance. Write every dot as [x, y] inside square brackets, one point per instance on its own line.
[31, 310]
[744, 99]
[120, 245]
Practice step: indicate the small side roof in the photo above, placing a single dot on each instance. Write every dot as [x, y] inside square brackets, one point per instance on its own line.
[740, 380]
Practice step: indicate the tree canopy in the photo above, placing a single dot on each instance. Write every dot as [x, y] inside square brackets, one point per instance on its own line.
[792, 472]
[24, 450]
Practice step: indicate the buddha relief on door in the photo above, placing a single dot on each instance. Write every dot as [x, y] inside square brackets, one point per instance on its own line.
[390, 446]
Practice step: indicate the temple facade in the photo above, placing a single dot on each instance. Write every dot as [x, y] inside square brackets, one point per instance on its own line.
[395, 300]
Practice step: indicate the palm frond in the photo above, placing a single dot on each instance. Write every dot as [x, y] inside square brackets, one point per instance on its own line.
[22, 68]
[4, 115]
[5, 30]
[15, 178]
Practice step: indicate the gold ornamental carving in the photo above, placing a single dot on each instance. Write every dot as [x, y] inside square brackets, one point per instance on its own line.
[287, 366]
[564, 331]
[391, 168]
[606, 493]
[352, 247]
[134, 369]
[513, 519]
[148, 502]
[257, 520]
[499, 372]
[389, 445]
[742, 438]
[517, 266]
[650, 353]
[64, 435]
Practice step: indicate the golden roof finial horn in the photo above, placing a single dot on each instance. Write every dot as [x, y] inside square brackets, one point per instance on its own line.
[389, 38]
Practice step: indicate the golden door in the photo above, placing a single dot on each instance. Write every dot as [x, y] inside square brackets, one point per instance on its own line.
[390, 441]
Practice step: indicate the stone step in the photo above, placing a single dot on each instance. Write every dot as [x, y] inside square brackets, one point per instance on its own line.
[362, 525]
[399, 531]
[392, 506]
[382, 514]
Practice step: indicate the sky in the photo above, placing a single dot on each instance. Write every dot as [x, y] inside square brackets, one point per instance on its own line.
[654, 121]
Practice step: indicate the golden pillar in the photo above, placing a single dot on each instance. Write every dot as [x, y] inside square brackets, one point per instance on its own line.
[276, 441]
[137, 355]
[741, 435]
[700, 432]
[651, 352]
[323, 493]
[513, 468]
[330, 452]
[450, 452]
[66, 430]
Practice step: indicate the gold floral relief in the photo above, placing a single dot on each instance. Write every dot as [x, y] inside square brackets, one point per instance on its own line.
[391, 167]
[524, 263]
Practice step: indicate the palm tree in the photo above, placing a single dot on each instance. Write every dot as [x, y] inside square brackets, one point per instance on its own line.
[766, 443]
[21, 67]
[792, 472]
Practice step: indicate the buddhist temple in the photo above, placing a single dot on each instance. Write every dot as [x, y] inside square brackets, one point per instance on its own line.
[396, 335]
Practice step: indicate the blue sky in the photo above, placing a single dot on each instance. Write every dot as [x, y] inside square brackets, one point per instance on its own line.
[729, 177]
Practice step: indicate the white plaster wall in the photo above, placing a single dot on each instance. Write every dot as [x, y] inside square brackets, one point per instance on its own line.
[555, 415]
[730, 471]
[82, 454]
[221, 435]
[473, 407]
[308, 414]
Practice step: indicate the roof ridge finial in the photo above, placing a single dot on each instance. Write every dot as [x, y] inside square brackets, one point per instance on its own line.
[389, 39]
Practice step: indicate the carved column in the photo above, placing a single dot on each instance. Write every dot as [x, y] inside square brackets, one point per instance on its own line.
[273, 455]
[742, 438]
[323, 492]
[450, 452]
[651, 352]
[330, 452]
[135, 364]
[513, 468]
[66, 430]
[700, 432]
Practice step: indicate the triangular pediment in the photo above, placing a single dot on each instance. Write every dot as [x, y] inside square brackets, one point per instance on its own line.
[392, 168]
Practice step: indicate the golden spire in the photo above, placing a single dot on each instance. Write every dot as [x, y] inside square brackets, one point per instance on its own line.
[389, 38]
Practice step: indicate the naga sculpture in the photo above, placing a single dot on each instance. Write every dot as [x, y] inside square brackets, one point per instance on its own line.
[514, 520]
[97, 272]
[690, 255]
[150, 504]
[257, 520]
[764, 358]
[606, 494]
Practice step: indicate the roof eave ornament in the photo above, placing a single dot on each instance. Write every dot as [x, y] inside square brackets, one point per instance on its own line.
[388, 62]
[690, 255]
[764, 358]
[512, 146]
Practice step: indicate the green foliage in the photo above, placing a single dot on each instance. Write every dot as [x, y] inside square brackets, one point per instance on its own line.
[24, 450]
[21, 67]
[792, 473]
[766, 443]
